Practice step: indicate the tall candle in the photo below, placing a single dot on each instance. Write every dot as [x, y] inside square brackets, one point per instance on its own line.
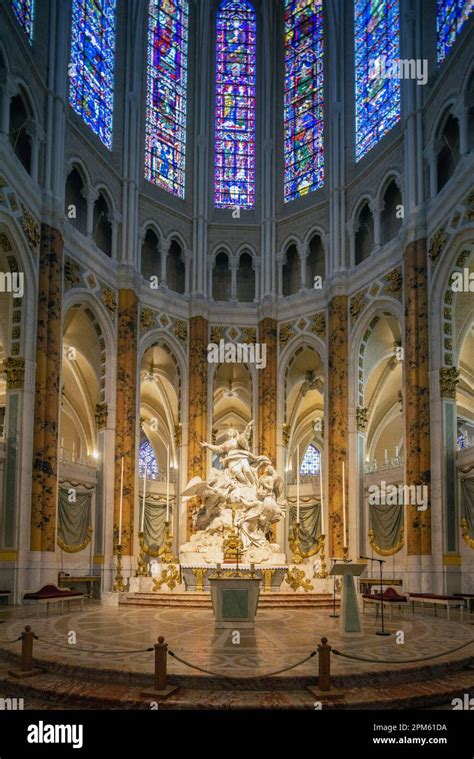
[344, 503]
[144, 491]
[121, 505]
[167, 483]
[396, 451]
[321, 494]
[298, 484]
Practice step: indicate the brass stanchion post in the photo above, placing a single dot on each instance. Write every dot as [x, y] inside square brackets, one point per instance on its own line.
[160, 689]
[26, 660]
[324, 692]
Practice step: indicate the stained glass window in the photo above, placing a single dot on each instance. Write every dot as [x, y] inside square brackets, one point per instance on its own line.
[165, 129]
[235, 105]
[304, 97]
[451, 15]
[147, 460]
[91, 70]
[377, 90]
[311, 459]
[24, 10]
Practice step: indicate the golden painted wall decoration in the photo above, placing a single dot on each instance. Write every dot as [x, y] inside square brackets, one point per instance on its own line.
[267, 390]
[126, 415]
[197, 419]
[417, 397]
[337, 423]
[47, 392]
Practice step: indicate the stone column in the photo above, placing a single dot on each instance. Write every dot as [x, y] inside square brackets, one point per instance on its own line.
[361, 420]
[47, 392]
[14, 368]
[197, 418]
[338, 413]
[417, 397]
[267, 391]
[448, 380]
[125, 439]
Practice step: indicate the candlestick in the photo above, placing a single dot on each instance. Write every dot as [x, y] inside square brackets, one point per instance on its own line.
[344, 504]
[321, 494]
[298, 485]
[167, 483]
[396, 451]
[118, 582]
[144, 491]
[121, 504]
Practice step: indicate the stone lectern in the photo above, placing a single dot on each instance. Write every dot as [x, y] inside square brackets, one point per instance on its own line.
[351, 625]
[234, 601]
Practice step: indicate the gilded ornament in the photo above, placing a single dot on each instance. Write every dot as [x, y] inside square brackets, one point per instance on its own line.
[394, 282]
[5, 243]
[286, 434]
[178, 434]
[217, 333]
[296, 578]
[14, 369]
[469, 203]
[250, 334]
[72, 273]
[31, 229]
[180, 330]
[109, 300]
[169, 576]
[465, 533]
[147, 319]
[448, 380]
[286, 332]
[318, 324]
[357, 305]
[386, 551]
[361, 418]
[438, 241]
[101, 415]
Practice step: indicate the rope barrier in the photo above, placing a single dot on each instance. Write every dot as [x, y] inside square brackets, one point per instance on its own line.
[401, 661]
[10, 641]
[241, 677]
[71, 647]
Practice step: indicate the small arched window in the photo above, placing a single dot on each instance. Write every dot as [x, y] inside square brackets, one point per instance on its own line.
[311, 461]
[102, 226]
[75, 202]
[175, 268]
[150, 261]
[291, 274]
[221, 278]
[364, 236]
[245, 279]
[19, 137]
[390, 221]
[147, 461]
[449, 153]
[315, 261]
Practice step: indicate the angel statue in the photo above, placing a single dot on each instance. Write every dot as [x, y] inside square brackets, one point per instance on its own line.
[236, 457]
[255, 523]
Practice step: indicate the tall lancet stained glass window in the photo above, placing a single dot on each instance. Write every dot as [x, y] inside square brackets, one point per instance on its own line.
[451, 15]
[304, 97]
[24, 10]
[235, 105]
[311, 461]
[147, 461]
[165, 128]
[377, 92]
[91, 71]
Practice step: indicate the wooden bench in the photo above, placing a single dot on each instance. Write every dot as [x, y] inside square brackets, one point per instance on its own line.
[449, 602]
[468, 598]
[50, 594]
[390, 598]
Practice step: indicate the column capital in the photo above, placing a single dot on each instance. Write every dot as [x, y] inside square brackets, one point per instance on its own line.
[14, 369]
[101, 415]
[361, 418]
[448, 380]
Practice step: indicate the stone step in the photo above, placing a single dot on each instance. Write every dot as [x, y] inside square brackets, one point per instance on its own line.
[203, 600]
[59, 688]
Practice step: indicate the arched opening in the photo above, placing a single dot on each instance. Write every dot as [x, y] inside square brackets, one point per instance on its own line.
[245, 279]
[391, 221]
[75, 206]
[221, 278]
[464, 322]
[232, 402]
[311, 462]
[150, 258]
[19, 137]
[291, 274]
[469, 101]
[102, 226]
[364, 235]
[315, 261]
[449, 153]
[175, 268]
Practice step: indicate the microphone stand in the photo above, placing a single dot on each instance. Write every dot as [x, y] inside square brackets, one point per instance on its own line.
[380, 561]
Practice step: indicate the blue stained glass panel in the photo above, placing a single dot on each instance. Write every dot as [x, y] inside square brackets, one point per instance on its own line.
[304, 97]
[24, 10]
[451, 15]
[167, 66]
[311, 461]
[234, 170]
[91, 70]
[377, 93]
[147, 461]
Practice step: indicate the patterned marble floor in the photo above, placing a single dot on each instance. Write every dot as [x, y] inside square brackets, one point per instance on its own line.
[281, 638]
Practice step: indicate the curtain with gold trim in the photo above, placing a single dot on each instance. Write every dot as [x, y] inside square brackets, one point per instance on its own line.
[74, 520]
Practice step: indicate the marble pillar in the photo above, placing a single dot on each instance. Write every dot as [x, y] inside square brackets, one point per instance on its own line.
[267, 391]
[417, 398]
[47, 392]
[338, 413]
[197, 419]
[125, 437]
